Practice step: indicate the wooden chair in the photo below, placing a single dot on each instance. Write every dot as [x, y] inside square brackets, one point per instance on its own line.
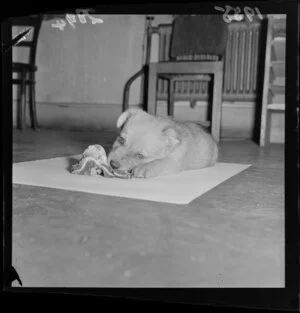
[207, 67]
[26, 71]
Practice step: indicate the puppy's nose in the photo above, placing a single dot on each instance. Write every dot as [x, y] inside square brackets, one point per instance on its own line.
[114, 164]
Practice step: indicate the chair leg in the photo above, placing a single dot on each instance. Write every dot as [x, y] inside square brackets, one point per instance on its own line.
[268, 128]
[32, 102]
[152, 83]
[19, 103]
[21, 115]
[263, 122]
[217, 105]
[171, 99]
[24, 100]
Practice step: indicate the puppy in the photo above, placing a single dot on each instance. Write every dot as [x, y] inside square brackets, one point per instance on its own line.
[150, 146]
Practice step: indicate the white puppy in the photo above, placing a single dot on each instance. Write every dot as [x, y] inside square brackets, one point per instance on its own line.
[151, 145]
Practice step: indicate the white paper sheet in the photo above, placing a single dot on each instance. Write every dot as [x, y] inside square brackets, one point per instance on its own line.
[180, 188]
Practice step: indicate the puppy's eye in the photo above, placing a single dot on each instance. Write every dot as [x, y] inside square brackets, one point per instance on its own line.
[140, 156]
[121, 140]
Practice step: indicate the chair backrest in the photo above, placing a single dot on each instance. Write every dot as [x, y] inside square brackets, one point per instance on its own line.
[35, 23]
[166, 36]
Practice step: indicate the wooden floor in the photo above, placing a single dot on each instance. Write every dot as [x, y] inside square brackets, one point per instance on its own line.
[232, 236]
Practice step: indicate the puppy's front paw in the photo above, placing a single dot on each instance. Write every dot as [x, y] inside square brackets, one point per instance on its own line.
[144, 171]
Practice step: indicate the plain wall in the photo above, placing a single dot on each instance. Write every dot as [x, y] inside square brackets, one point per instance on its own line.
[82, 73]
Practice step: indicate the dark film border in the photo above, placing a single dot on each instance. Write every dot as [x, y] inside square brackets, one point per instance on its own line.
[283, 298]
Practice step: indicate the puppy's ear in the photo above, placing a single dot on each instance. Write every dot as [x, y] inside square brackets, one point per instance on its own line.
[124, 117]
[171, 135]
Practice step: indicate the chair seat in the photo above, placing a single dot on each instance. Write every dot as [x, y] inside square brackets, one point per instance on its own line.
[19, 67]
[188, 68]
[184, 77]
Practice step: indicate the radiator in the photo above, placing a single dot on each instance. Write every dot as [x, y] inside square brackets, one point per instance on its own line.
[240, 65]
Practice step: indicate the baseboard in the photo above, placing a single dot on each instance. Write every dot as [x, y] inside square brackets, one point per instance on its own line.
[225, 104]
[237, 117]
